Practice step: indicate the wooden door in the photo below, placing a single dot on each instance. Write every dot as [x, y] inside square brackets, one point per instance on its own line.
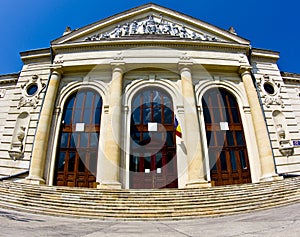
[227, 148]
[153, 161]
[77, 152]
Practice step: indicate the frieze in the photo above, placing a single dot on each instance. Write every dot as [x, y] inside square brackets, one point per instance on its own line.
[152, 26]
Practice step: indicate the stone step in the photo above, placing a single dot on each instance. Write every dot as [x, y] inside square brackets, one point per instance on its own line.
[148, 204]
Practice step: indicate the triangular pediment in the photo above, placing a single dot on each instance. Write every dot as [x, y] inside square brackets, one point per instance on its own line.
[149, 21]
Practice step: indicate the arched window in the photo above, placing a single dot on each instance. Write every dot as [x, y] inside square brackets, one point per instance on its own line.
[77, 152]
[227, 148]
[153, 149]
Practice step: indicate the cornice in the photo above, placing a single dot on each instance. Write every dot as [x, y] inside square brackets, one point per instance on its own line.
[264, 54]
[9, 78]
[287, 76]
[169, 43]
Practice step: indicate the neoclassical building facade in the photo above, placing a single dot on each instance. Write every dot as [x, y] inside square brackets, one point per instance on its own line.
[149, 98]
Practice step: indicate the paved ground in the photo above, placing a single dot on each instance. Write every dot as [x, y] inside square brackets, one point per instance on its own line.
[283, 221]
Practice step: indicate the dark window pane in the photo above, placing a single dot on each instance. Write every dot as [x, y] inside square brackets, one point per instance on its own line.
[89, 99]
[147, 163]
[170, 139]
[61, 161]
[156, 97]
[220, 138]
[145, 138]
[146, 98]
[93, 163]
[71, 102]
[243, 159]
[64, 140]
[223, 161]
[146, 115]
[74, 140]
[83, 140]
[208, 137]
[157, 114]
[134, 163]
[207, 117]
[212, 160]
[94, 139]
[216, 115]
[96, 116]
[68, 116]
[77, 116]
[79, 100]
[168, 114]
[81, 163]
[235, 115]
[239, 138]
[87, 116]
[158, 157]
[71, 163]
[167, 101]
[233, 160]
[136, 116]
[229, 137]
[171, 162]
[232, 101]
[136, 101]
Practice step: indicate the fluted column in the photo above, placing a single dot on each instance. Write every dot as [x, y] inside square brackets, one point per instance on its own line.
[260, 129]
[40, 145]
[196, 174]
[112, 149]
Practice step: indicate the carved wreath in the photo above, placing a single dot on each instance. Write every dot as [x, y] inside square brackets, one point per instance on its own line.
[31, 91]
[271, 91]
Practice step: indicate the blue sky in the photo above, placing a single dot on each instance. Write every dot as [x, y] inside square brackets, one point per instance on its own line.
[32, 24]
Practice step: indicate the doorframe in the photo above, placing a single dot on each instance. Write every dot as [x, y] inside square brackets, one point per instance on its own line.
[244, 109]
[174, 92]
[61, 100]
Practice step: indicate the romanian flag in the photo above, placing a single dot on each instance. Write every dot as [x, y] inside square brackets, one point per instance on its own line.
[177, 128]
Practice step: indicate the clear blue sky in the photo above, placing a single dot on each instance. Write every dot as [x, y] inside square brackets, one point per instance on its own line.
[32, 24]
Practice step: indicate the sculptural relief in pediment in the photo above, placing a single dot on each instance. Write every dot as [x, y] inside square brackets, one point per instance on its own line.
[152, 25]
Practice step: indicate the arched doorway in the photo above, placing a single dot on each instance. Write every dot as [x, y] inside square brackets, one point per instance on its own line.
[228, 157]
[153, 161]
[77, 151]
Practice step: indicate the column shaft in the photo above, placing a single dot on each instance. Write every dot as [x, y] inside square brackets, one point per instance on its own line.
[196, 172]
[40, 146]
[260, 129]
[112, 151]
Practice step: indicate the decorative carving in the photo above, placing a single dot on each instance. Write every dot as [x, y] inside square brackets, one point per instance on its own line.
[31, 91]
[17, 144]
[151, 25]
[285, 146]
[2, 93]
[271, 91]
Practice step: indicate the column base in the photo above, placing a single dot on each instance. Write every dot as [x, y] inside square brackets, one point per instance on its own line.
[34, 180]
[271, 177]
[198, 184]
[109, 185]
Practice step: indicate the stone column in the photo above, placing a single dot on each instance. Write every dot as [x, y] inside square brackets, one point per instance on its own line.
[191, 136]
[260, 129]
[112, 147]
[40, 145]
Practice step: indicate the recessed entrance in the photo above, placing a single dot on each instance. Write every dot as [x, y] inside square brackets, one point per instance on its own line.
[228, 157]
[153, 161]
[77, 152]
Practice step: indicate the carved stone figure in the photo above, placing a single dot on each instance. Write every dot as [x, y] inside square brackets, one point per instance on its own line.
[134, 27]
[150, 25]
[126, 28]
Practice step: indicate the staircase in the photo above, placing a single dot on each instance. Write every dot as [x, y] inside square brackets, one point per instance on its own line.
[148, 204]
